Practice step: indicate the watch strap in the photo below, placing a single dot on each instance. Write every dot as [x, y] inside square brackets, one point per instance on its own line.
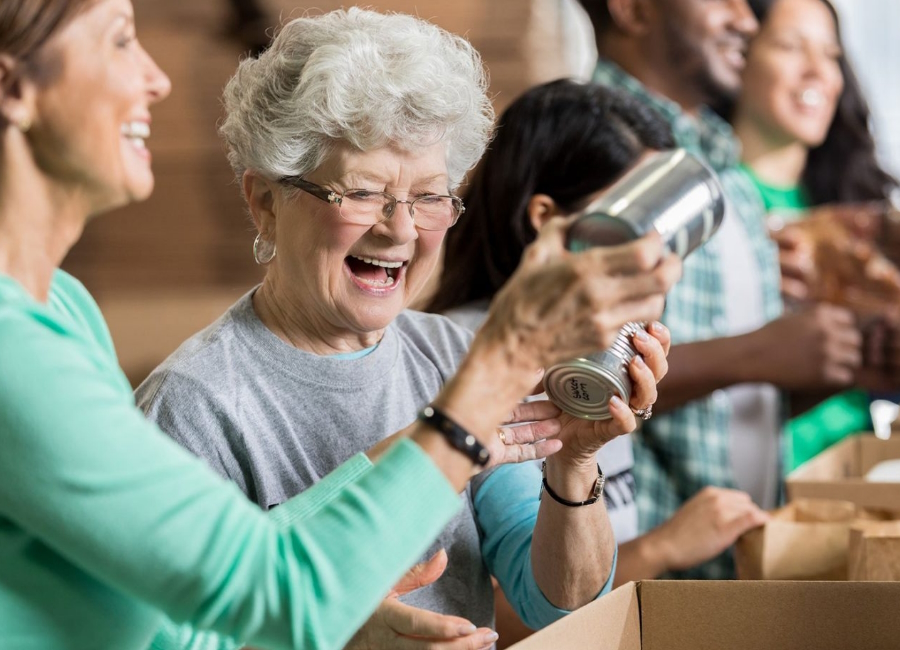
[596, 490]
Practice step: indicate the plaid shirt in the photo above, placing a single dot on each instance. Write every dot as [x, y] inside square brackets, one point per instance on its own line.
[680, 452]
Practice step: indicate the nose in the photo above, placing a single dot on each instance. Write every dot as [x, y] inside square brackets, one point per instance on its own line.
[159, 86]
[399, 225]
[744, 20]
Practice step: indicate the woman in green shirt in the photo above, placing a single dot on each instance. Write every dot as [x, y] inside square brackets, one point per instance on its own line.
[107, 528]
[803, 124]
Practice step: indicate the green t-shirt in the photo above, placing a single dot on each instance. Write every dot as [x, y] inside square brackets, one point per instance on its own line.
[835, 418]
[109, 530]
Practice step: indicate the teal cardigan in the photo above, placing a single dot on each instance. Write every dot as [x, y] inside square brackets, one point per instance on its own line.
[110, 532]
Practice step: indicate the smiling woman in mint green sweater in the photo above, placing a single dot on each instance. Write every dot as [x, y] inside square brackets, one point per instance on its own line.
[108, 530]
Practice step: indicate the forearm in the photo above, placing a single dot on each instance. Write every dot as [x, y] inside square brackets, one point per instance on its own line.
[640, 559]
[573, 547]
[485, 390]
[697, 369]
[311, 501]
[305, 505]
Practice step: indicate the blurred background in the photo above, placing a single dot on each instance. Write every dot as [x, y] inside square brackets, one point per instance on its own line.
[163, 269]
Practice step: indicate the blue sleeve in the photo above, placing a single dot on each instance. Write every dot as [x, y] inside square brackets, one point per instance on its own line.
[506, 506]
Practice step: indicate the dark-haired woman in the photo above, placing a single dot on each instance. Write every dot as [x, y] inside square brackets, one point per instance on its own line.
[804, 126]
[557, 148]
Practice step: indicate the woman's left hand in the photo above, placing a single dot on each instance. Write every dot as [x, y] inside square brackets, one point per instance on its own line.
[582, 439]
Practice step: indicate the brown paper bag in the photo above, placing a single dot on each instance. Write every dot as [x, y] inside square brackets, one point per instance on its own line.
[805, 540]
[875, 551]
[849, 268]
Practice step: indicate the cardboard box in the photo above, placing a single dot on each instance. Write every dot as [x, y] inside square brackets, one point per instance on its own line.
[731, 615]
[875, 551]
[807, 539]
[838, 473]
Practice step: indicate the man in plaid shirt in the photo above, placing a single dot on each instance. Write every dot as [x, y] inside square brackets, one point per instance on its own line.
[719, 416]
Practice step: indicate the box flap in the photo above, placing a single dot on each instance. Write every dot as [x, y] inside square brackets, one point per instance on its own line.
[874, 450]
[731, 615]
[840, 461]
[611, 623]
[837, 473]
[875, 551]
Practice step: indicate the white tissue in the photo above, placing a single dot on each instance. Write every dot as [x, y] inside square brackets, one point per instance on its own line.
[887, 471]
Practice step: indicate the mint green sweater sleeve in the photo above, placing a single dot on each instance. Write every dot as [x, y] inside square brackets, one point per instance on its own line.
[185, 637]
[86, 477]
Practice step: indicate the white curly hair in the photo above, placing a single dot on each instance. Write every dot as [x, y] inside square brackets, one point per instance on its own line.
[361, 77]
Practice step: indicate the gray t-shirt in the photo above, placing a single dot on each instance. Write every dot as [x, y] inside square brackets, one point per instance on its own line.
[275, 420]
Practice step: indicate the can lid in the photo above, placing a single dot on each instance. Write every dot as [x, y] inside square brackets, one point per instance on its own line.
[583, 388]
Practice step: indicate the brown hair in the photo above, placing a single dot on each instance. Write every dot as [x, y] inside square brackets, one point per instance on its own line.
[26, 25]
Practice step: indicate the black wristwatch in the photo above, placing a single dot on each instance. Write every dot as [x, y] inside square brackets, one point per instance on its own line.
[596, 491]
[458, 437]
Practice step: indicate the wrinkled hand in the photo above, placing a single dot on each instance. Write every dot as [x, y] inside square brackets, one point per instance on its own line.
[536, 438]
[704, 527]
[818, 347]
[582, 439]
[395, 626]
[559, 305]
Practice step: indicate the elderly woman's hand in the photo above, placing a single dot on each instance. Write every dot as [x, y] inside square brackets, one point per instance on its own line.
[582, 439]
[560, 305]
[528, 434]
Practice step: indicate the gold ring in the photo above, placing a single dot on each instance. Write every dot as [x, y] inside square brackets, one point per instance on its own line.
[502, 435]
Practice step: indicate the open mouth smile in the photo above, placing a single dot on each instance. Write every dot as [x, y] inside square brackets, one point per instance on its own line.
[374, 275]
[136, 134]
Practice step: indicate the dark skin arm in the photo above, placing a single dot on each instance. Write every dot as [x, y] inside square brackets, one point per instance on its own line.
[814, 352]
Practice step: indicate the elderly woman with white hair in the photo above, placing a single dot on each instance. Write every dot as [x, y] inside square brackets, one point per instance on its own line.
[349, 135]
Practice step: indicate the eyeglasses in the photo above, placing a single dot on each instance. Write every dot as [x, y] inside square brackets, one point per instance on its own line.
[367, 208]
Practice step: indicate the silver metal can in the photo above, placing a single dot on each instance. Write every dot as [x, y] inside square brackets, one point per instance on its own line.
[671, 192]
[583, 387]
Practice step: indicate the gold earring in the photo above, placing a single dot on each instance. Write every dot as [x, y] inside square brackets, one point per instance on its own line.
[24, 125]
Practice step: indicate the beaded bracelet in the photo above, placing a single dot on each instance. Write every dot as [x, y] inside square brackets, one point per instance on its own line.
[458, 437]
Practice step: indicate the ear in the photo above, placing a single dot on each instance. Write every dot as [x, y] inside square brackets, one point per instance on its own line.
[631, 16]
[260, 195]
[541, 208]
[18, 95]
